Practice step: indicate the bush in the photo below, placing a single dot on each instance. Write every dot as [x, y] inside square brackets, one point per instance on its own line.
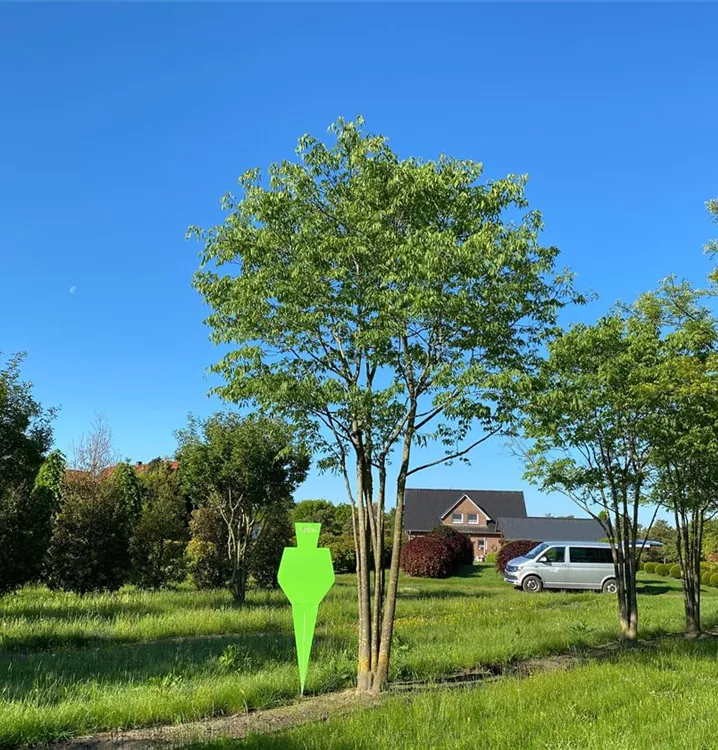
[650, 567]
[427, 557]
[675, 571]
[89, 550]
[459, 544]
[491, 557]
[157, 547]
[662, 569]
[266, 554]
[509, 550]
[713, 580]
[24, 534]
[206, 552]
[343, 555]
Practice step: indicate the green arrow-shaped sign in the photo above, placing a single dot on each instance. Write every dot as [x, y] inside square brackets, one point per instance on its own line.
[305, 574]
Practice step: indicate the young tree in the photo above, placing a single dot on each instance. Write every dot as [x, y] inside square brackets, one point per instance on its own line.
[684, 426]
[586, 413]
[245, 470]
[95, 451]
[377, 303]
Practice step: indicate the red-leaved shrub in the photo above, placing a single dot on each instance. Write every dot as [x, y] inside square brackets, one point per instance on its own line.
[427, 557]
[509, 550]
[459, 544]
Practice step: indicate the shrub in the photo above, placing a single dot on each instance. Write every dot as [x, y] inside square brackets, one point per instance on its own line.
[157, 547]
[459, 544]
[713, 581]
[662, 569]
[427, 557]
[24, 534]
[675, 571]
[266, 554]
[650, 567]
[206, 556]
[89, 550]
[343, 555]
[509, 550]
[491, 557]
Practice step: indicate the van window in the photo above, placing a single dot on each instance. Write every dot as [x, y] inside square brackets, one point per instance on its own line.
[590, 555]
[555, 554]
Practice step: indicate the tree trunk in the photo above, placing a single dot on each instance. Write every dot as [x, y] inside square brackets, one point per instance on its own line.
[381, 674]
[364, 663]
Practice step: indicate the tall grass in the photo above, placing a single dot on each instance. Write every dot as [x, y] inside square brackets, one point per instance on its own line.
[667, 700]
[74, 665]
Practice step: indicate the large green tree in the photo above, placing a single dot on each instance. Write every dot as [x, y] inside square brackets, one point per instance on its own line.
[586, 414]
[379, 304]
[244, 470]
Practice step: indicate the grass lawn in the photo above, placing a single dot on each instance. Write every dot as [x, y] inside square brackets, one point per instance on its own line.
[667, 700]
[73, 665]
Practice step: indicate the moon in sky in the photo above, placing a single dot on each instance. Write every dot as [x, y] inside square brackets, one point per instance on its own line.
[73, 289]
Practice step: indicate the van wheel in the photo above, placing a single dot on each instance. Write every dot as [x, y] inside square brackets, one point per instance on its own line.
[609, 586]
[532, 584]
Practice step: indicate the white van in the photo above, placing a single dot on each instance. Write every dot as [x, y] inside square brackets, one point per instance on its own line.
[564, 565]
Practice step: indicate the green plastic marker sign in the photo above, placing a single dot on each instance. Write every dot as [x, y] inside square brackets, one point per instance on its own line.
[305, 574]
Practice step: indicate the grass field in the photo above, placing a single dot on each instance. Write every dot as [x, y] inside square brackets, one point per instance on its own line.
[639, 701]
[73, 665]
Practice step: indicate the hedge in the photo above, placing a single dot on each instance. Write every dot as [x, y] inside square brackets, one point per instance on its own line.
[509, 550]
[650, 567]
[459, 544]
[427, 557]
[713, 580]
[662, 569]
[675, 571]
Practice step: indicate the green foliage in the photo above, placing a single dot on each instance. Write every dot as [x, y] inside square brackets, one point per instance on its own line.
[491, 558]
[649, 567]
[24, 526]
[427, 557]
[381, 259]
[335, 519]
[89, 550]
[207, 560]
[267, 551]
[128, 488]
[160, 535]
[660, 531]
[675, 571]
[245, 470]
[713, 580]
[663, 570]
[343, 554]
[25, 431]
[51, 475]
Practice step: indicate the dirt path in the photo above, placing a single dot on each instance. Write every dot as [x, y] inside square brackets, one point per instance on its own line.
[323, 707]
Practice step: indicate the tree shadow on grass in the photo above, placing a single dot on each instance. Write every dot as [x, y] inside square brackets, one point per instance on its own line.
[53, 672]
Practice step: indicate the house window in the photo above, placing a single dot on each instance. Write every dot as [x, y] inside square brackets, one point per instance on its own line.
[457, 518]
[473, 518]
[482, 543]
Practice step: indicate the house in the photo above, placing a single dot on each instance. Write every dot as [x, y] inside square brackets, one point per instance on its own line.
[488, 517]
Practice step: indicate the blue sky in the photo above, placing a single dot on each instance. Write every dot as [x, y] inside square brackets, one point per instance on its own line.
[124, 123]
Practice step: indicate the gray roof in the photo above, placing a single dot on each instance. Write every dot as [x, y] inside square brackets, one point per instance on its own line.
[423, 508]
[540, 529]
